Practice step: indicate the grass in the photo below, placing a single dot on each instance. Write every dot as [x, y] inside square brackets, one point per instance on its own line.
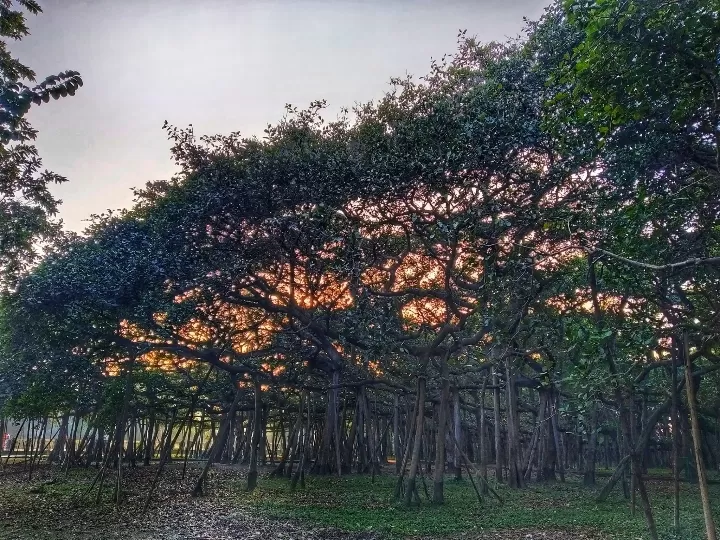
[351, 503]
[355, 503]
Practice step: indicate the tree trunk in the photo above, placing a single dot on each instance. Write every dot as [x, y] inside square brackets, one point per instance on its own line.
[515, 479]
[555, 421]
[589, 476]
[217, 446]
[634, 472]
[335, 420]
[647, 509]
[534, 440]
[409, 438]
[330, 435]
[440, 434]
[352, 436]
[226, 452]
[396, 433]
[498, 433]
[482, 437]
[675, 438]
[150, 440]
[627, 417]
[263, 435]
[415, 459]
[305, 443]
[289, 450]
[697, 445]
[256, 436]
[58, 450]
[457, 431]
[120, 432]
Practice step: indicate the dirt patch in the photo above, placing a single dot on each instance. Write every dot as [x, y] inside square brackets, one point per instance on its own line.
[52, 506]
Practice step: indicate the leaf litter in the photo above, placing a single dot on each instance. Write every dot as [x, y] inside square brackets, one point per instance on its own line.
[56, 506]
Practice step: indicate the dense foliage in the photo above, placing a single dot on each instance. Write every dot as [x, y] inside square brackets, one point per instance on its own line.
[26, 204]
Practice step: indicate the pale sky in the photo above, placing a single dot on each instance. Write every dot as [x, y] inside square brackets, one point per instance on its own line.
[223, 66]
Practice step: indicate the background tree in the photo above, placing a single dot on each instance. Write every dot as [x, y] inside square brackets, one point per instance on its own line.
[26, 205]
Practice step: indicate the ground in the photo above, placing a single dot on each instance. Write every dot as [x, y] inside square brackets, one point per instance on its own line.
[56, 505]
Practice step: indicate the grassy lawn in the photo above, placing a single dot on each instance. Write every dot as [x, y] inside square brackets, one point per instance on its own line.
[355, 503]
[60, 509]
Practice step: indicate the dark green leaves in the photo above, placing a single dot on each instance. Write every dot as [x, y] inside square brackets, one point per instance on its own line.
[26, 206]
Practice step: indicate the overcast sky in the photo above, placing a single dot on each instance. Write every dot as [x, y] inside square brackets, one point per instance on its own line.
[223, 66]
